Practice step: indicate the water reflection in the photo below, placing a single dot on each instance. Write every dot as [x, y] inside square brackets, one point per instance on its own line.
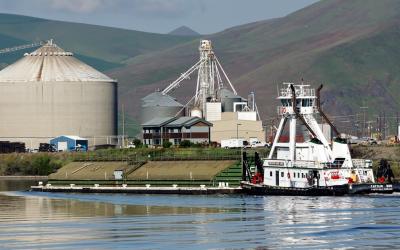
[40, 220]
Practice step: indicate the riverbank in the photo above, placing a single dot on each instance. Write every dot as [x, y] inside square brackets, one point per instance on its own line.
[24, 177]
[43, 164]
[378, 152]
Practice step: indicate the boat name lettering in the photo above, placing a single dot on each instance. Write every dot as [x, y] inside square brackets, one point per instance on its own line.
[276, 163]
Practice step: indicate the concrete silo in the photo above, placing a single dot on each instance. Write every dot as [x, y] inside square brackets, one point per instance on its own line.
[157, 104]
[49, 93]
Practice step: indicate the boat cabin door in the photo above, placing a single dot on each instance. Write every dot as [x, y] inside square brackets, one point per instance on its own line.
[277, 177]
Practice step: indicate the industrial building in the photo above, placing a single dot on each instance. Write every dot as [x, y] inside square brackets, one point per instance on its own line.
[69, 143]
[175, 130]
[49, 93]
[215, 100]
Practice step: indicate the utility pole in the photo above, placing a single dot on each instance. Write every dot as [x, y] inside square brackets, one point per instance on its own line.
[123, 126]
[237, 130]
[397, 127]
[384, 125]
[363, 125]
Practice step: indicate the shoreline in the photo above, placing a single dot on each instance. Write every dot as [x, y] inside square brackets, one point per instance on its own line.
[23, 177]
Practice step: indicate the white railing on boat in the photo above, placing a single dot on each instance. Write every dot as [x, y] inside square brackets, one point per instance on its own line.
[290, 164]
[361, 163]
[303, 92]
[357, 163]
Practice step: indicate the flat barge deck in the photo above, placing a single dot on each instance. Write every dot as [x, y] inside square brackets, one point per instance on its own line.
[249, 189]
[139, 190]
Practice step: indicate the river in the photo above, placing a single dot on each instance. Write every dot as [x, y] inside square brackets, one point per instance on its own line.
[104, 221]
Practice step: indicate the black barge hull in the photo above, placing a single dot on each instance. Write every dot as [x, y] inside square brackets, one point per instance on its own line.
[256, 189]
[348, 189]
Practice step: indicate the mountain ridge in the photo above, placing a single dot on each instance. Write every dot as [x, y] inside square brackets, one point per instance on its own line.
[183, 31]
[304, 44]
[109, 45]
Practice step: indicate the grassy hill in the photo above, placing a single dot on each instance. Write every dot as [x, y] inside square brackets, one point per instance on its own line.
[349, 46]
[102, 47]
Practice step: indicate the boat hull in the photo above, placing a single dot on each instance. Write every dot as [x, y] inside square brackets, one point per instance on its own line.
[347, 189]
[256, 189]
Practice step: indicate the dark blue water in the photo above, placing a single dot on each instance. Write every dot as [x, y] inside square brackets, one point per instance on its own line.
[82, 221]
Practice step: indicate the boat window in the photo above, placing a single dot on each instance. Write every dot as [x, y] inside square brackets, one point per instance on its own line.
[338, 162]
[270, 173]
[302, 175]
[282, 174]
[306, 102]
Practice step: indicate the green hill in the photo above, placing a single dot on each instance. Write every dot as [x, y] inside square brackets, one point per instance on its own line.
[102, 47]
[349, 46]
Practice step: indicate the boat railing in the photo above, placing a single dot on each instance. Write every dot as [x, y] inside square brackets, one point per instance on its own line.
[300, 92]
[295, 164]
[306, 164]
[361, 163]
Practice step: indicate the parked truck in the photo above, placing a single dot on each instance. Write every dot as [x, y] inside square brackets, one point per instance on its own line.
[255, 143]
[232, 143]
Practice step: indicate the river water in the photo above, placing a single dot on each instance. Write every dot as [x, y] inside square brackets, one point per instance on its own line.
[104, 221]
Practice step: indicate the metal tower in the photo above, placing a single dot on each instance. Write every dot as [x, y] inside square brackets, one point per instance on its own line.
[209, 78]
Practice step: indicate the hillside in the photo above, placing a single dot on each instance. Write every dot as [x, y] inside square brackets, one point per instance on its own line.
[349, 46]
[102, 47]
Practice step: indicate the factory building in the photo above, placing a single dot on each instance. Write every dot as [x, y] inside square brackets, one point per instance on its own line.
[175, 130]
[232, 125]
[215, 100]
[49, 93]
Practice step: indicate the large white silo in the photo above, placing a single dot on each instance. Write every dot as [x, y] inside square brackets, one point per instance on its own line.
[49, 93]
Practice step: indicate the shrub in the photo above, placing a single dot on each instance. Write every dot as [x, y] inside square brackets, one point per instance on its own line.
[185, 144]
[167, 144]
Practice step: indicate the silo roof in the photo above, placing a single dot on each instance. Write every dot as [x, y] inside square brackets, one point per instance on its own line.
[50, 63]
[158, 121]
[226, 93]
[158, 99]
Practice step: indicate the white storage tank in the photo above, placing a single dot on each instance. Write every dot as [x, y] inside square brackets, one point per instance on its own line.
[49, 93]
[196, 112]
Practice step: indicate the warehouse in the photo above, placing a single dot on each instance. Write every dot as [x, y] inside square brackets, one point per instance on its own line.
[49, 93]
[69, 143]
[175, 130]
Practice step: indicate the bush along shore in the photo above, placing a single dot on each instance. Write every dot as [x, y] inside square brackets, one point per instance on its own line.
[33, 164]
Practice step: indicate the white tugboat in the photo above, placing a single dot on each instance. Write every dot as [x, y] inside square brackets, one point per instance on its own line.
[308, 164]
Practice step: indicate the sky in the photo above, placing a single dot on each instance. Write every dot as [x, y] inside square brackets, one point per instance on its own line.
[159, 16]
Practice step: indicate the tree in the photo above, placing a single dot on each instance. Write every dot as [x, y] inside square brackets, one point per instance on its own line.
[137, 142]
